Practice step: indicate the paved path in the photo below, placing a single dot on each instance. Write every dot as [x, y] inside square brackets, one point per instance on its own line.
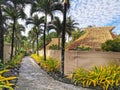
[32, 77]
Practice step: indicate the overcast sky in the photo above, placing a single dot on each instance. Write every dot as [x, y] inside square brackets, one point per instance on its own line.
[94, 12]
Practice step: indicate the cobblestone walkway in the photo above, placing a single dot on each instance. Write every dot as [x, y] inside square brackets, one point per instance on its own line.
[32, 77]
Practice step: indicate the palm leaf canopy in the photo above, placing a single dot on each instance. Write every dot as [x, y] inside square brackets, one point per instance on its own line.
[14, 9]
[46, 6]
[35, 20]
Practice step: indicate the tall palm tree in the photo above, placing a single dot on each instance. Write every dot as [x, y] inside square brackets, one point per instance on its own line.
[1, 37]
[70, 25]
[46, 6]
[57, 25]
[32, 39]
[18, 34]
[37, 22]
[66, 7]
[14, 11]
[2, 2]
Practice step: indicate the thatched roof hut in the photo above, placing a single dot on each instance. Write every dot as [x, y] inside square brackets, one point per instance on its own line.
[93, 38]
[54, 41]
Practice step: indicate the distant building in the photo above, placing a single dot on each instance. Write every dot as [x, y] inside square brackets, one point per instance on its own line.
[93, 38]
[54, 41]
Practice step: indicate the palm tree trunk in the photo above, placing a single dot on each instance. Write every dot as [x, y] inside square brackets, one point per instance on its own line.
[58, 42]
[33, 47]
[45, 27]
[15, 46]
[63, 40]
[1, 38]
[12, 44]
[37, 44]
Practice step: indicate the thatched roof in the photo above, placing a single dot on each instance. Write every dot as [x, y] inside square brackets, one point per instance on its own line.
[54, 41]
[93, 38]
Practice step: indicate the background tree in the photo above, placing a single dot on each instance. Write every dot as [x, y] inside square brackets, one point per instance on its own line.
[71, 25]
[14, 11]
[46, 6]
[66, 7]
[1, 37]
[111, 45]
[57, 25]
[37, 22]
[32, 39]
[76, 34]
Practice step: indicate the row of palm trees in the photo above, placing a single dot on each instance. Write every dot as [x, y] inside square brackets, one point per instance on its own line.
[12, 10]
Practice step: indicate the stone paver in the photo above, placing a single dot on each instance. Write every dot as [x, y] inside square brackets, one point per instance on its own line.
[32, 77]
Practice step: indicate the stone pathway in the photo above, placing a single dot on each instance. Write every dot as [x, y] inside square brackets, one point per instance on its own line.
[32, 77]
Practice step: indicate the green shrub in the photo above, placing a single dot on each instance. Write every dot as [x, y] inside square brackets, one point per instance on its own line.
[111, 45]
[103, 76]
[50, 65]
[14, 63]
[83, 48]
[54, 47]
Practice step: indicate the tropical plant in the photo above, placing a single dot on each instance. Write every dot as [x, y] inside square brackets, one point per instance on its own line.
[57, 25]
[13, 11]
[54, 47]
[37, 22]
[5, 81]
[106, 77]
[2, 37]
[71, 25]
[111, 45]
[2, 2]
[32, 39]
[18, 34]
[48, 39]
[66, 7]
[46, 6]
[83, 48]
[76, 34]
[50, 65]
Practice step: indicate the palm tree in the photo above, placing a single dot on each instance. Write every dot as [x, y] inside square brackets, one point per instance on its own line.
[2, 2]
[57, 25]
[46, 6]
[37, 22]
[1, 37]
[32, 39]
[18, 34]
[66, 6]
[13, 11]
[70, 25]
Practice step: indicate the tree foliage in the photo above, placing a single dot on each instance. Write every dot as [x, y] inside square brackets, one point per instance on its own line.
[111, 45]
[76, 34]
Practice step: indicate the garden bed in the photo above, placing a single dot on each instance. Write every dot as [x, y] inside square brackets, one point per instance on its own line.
[100, 77]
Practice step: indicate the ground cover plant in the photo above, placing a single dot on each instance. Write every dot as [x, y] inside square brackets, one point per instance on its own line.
[104, 77]
[9, 72]
[5, 81]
